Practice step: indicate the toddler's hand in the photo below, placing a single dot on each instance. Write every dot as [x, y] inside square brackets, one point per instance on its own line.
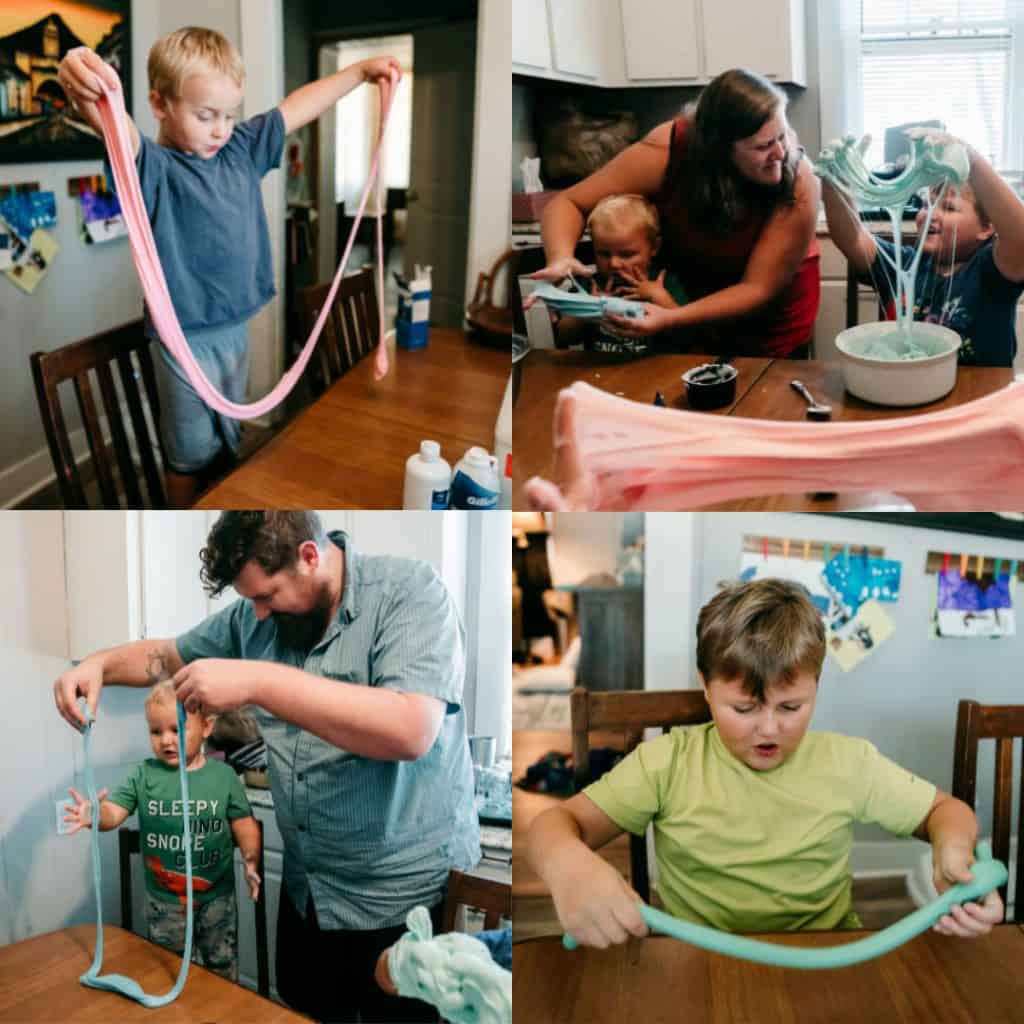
[379, 67]
[950, 865]
[82, 74]
[596, 906]
[253, 878]
[641, 288]
[80, 816]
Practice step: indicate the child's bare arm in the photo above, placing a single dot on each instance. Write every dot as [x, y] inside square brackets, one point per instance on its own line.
[81, 74]
[952, 829]
[852, 239]
[593, 901]
[310, 101]
[247, 835]
[1006, 212]
[80, 815]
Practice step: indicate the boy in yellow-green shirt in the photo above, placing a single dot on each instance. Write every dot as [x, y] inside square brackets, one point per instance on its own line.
[753, 815]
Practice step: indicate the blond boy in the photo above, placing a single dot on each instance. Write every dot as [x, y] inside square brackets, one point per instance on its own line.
[219, 814]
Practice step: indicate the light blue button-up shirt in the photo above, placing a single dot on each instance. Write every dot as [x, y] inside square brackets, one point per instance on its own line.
[369, 839]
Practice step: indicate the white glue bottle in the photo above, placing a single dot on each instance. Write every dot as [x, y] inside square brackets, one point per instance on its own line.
[427, 478]
[475, 481]
[503, 447]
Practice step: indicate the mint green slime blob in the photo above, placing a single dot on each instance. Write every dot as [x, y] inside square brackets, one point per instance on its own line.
[930, 164]
[118, 982]
[988, 874]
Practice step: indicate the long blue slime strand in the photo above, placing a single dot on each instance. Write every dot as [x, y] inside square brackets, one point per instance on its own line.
[988, 874]
[118, 982]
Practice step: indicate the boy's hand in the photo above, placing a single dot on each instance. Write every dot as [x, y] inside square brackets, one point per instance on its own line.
[951, 863]
[643, 289]
[82, 73]
[213, 685]
[84, 680]
[80, 816]
[595, 905]
[253, 878]
[377, 68]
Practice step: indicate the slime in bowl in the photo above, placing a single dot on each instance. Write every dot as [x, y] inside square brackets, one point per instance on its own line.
[886, 365]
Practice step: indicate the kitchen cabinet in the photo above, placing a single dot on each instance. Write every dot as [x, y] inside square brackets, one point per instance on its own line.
[661, 40]
[616, 43]
[531, 41]
[767, 37]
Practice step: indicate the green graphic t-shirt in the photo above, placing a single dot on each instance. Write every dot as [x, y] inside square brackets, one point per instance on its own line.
[216, 798]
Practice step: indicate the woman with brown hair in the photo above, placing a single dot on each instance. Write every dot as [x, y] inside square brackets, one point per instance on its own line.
[738, 203]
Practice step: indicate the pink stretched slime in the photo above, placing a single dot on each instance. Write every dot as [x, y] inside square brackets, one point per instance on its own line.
[114, 120]
[640, 457]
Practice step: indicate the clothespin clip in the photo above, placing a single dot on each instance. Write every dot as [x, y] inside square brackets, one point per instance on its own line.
[945, 562]
[1013, 570]
[995, 569]
[764, 548]
[979, 565]
[826, 552]
[807, 550]
[785, 547]
[963, 566]
[846, 556]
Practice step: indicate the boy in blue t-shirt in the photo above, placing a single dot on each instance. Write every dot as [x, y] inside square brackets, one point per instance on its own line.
[971, 272]
[220, 818]
[752, 814]
[201, 185]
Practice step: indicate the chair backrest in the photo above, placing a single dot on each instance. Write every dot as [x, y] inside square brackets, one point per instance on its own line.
[135, 438]
[350, 331]
[492, 897]
[1003, 723]
[630, 712]
[128, 843]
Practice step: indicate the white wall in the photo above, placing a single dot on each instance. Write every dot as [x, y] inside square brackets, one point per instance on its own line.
[490, 203]
[581, 544]
[91, 289]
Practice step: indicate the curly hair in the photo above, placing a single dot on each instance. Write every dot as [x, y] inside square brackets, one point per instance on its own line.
[733, 106]
[270, 539]
[764, 632]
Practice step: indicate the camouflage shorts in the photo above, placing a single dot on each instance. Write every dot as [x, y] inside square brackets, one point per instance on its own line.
[215, 933]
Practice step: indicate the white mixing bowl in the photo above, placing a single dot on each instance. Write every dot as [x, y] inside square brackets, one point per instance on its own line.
[899, 381]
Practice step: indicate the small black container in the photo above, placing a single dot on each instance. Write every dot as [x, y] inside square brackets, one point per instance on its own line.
[711, 394]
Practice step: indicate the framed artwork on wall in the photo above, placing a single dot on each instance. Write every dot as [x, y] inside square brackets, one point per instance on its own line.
[985, 524]
[37, 122]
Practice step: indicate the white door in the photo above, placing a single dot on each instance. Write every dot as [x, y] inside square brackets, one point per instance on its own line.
[444, 73]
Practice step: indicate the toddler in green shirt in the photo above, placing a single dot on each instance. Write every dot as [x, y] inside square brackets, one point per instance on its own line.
[752, 814]
[220, 815]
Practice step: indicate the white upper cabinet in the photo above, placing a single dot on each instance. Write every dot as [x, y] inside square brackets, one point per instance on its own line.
[661, 40]
[767, 37]
[531, 43]
[618, 43]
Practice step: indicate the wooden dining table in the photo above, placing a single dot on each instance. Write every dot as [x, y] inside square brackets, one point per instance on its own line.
[349, 447]
[763, 391]
[39, 982]
[934, 978]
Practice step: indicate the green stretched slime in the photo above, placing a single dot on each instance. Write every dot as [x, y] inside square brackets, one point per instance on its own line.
[988, 874]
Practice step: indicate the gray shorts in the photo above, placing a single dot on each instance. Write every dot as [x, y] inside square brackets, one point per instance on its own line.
[192, 433]
[214, 934]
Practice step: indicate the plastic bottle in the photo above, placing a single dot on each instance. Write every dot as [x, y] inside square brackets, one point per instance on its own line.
[503, 447]
[427, 478]
[475, 481]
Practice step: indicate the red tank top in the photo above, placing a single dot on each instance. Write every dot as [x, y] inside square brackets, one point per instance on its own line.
[707, 263]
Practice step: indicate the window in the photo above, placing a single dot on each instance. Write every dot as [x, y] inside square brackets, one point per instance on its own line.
[945, 60]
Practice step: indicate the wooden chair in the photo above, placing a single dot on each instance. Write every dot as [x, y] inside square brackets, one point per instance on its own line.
[128, 843]
[493, 898]
[1003, 723]
[350, 331]
[630, 712]
[135, 439]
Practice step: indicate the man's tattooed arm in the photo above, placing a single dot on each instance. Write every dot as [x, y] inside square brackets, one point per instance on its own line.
[156, 666]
